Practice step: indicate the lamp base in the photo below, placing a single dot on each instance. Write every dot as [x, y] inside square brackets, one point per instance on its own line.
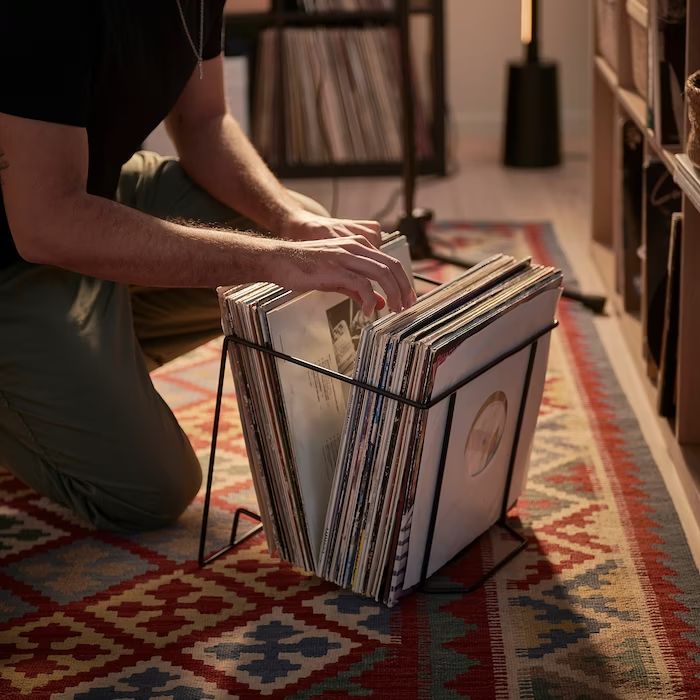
[532, 120]
[415, 227]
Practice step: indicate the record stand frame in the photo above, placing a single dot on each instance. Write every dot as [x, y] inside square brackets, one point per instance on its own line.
[449, 395]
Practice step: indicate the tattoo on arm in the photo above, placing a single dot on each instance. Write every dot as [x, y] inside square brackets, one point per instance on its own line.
[4, 164]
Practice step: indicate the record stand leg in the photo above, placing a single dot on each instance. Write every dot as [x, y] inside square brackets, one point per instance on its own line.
[520, 540]
[235, 539]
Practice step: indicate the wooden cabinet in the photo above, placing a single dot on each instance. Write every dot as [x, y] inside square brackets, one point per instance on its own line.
[617, 104]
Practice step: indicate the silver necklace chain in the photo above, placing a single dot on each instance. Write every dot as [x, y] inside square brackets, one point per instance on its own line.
[197, 54]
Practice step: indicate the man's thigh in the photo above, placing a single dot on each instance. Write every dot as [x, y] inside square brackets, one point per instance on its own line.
[170, 322]
[80, 420]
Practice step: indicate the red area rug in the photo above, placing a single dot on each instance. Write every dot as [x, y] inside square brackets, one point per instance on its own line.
[603, 603]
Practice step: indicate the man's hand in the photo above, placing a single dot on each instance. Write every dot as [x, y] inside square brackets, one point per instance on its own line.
[302, 225]
[346, 265]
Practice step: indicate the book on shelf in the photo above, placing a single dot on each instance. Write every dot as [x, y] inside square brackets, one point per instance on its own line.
[337, 94]
[666, 396]
[346, 476]
[662, 200]
[667, 39]
[632, 141]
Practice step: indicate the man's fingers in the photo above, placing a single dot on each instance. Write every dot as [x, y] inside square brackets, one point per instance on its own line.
[381, 301]
[406, 294]
[380, 273]
[358, 238]
[378, 298]
[352, 264]
[361, 289]
[373, 235]
[373, 225]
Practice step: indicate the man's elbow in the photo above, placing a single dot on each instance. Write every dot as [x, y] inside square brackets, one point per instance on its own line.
[42, 235]
[33, 249]
[39, 244]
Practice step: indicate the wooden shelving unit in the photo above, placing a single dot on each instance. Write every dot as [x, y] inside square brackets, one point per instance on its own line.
[614, 101]
[245, 28]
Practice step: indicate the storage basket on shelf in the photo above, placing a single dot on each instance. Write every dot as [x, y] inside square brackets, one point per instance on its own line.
[607, 15]
[639, 44]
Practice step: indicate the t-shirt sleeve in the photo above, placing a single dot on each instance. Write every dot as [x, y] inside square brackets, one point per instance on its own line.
[214, 39]
[45, 60]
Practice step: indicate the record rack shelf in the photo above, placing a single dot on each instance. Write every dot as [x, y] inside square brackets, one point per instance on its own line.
[449, 395]
[241, 36]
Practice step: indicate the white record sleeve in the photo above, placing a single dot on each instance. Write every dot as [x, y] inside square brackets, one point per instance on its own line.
[322, 328]
[475, 351]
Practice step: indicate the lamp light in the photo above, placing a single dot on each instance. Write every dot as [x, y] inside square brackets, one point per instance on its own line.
[526, 21]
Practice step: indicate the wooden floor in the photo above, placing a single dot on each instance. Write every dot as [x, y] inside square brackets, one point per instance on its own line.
[482, 190]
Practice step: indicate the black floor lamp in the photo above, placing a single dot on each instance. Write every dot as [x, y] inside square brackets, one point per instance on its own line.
[414, 222]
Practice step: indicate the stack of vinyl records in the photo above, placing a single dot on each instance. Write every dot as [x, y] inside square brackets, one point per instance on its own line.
[345, 476]
[339, 99]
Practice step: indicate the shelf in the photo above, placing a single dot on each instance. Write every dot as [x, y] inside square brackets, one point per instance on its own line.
[320, 19]
[297, 19]
[663, 153]
[635, 106]
[677, 441]
[243, 31]
[684, 460]
[604, 69]
[687, 177]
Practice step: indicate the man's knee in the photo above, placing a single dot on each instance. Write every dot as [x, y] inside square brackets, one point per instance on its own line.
[160, 487]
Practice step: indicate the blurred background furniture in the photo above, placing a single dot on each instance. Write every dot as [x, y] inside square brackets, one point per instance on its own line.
[646, 206]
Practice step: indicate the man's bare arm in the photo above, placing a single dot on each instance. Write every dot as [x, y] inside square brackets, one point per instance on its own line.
[54, 221]
[219, 157]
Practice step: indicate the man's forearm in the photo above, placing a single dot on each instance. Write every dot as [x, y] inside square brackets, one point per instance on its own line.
[218, 156]
[100, 238]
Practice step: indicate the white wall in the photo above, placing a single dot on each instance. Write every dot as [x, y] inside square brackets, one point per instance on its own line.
[483, 35]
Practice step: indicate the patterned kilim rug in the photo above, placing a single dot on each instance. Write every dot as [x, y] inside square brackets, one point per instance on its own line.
[604, 603]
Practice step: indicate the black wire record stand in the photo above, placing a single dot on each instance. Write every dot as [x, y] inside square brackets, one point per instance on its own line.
[449, 395]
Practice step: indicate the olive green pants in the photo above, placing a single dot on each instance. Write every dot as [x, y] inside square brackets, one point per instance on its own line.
[80, 420]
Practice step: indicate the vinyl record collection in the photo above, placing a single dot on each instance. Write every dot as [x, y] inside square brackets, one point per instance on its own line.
[347, 477]
[338, 97]
[344, 5]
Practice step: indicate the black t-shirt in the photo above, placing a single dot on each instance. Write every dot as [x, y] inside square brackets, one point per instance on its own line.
[115, 67]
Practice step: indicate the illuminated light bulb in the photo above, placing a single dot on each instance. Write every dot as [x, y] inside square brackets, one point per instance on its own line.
[526, 21]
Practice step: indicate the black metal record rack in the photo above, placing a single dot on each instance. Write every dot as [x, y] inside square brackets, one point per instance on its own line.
[448, 395]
